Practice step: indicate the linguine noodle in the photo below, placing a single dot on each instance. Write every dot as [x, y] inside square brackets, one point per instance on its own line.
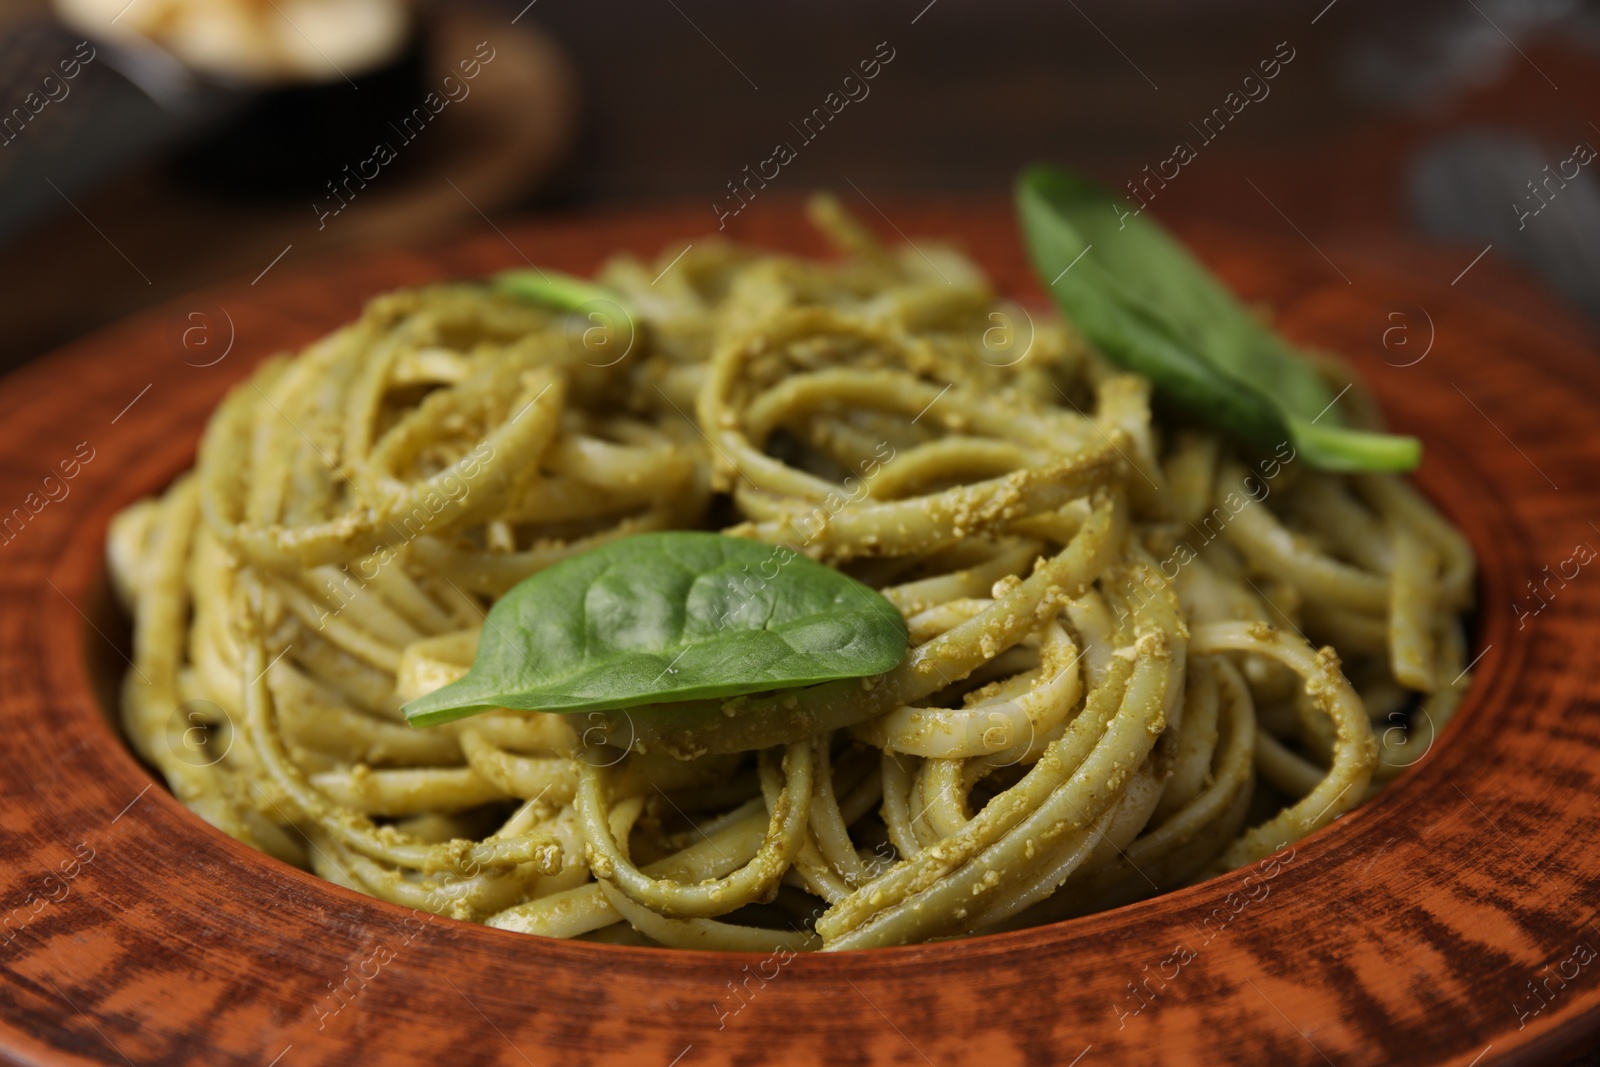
[1140, 654]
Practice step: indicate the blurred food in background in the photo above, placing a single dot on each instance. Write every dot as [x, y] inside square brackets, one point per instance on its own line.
[255, 42]
[203, 139]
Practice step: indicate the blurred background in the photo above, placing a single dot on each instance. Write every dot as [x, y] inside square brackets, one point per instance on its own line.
[148, 147]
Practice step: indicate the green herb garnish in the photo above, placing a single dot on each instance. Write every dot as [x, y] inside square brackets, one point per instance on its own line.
[596, 315]
[668, 617]
[1150, 306]
[552, 288]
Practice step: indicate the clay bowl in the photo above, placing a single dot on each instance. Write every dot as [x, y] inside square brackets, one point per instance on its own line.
[1407, 932]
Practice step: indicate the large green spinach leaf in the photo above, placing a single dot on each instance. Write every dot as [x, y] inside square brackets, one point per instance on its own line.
[663, 617]
[1149, 305]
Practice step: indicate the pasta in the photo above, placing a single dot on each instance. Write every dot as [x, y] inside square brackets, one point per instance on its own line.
[1140, 654]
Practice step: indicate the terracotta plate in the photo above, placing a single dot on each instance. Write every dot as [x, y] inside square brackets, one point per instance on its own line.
[1447, 923]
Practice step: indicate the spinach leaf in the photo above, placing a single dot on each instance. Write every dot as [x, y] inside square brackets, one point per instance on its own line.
[668, 617]
[598, 323]
[553, 289]
[1152, 307]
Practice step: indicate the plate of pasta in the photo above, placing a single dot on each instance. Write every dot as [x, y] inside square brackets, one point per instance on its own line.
[801, 645]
